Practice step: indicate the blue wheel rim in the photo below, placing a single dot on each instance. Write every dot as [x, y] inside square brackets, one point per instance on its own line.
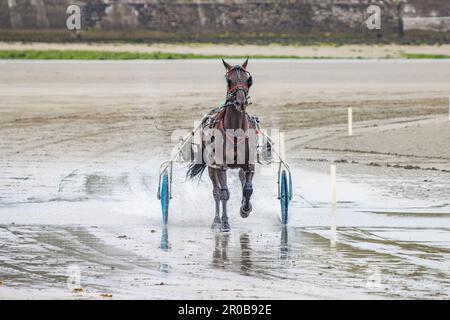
[284, 198]
[165, 198]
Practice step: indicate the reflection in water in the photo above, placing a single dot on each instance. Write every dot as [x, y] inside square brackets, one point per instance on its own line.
[246, 262]
[220, 257]
[284, 243]
[333, 228]
[164, 245]
[220, 254]
[291, 254]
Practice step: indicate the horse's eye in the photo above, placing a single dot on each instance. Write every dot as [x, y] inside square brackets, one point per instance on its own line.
[250, 81]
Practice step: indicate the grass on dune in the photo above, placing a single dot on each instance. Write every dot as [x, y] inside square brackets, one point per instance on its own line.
[425, 56]
[111, 55]
[116, 55]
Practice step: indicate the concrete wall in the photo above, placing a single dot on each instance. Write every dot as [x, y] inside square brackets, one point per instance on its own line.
[423, 15]
[215, 17]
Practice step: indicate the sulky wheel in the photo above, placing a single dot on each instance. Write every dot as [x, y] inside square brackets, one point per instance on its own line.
[284, 197]
[165, 197]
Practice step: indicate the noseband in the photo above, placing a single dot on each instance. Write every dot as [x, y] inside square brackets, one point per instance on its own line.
[240, 85]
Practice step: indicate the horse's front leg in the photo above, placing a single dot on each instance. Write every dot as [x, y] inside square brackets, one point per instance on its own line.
[216, 194]
[246, 177]
[224, 196]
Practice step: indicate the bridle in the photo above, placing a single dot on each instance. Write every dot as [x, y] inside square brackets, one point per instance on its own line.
[241, 85]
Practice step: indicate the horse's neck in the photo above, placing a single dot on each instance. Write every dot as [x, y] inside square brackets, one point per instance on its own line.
[234, 119]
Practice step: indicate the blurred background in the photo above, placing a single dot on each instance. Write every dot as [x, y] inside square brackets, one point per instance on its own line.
[253, 21]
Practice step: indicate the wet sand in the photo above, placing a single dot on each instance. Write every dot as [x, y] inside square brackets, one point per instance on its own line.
[80, 147]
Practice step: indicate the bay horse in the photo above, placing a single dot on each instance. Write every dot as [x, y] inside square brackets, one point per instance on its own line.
[231, 117]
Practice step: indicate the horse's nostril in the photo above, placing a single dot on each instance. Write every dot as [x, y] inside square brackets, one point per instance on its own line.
[240, 108]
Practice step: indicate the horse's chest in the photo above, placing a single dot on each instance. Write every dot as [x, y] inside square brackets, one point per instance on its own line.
[226, 148]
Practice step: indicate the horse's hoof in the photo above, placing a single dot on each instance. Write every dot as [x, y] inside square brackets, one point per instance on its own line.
[216, 223]
[215, 226]
[245, 212]
[225, 227]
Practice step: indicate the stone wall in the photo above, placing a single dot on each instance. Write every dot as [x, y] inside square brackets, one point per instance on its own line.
[420, 15]
[216, 17]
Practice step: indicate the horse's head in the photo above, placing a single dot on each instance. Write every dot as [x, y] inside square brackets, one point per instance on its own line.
[239, 81]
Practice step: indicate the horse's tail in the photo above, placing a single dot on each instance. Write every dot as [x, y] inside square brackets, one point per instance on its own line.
[195, 169]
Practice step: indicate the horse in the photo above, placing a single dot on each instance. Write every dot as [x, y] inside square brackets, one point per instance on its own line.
[231, 117]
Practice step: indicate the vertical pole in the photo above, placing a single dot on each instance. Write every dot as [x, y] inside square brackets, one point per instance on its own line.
[333, 225]
[197, 144]
[282, 146]
[333, 228]
[333, 185]
[196, 139]
[448, 108]
[350, 121]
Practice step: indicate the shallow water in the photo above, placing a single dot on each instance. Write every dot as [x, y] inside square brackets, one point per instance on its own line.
[289, 262]
[351, 252]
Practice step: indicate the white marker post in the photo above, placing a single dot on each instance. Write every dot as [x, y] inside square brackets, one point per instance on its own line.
[333, 185]
[448, 108]
[350, 121]
[282, 146]
[333, 225]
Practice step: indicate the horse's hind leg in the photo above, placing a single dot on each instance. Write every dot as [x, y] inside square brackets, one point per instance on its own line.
[216, 194]
[224, 196]
[246, 177]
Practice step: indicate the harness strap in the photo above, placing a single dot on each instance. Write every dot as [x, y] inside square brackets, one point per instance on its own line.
[240, 86]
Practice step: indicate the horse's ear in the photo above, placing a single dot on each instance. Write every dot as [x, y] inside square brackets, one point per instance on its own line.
[244, 65]
[227, 66]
